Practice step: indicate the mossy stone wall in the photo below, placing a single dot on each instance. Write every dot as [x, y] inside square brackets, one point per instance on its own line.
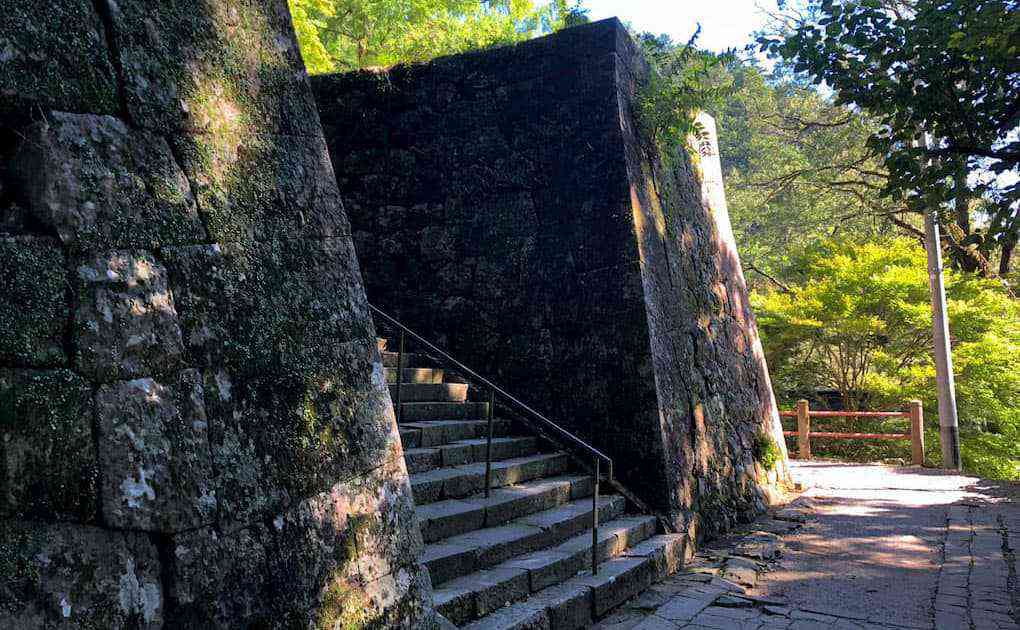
[195, 430]
[503, 204]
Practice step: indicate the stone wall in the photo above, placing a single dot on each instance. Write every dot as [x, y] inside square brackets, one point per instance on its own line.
[195, 430]
[502, 204]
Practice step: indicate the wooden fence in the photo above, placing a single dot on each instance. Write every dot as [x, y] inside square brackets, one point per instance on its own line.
[803, 414]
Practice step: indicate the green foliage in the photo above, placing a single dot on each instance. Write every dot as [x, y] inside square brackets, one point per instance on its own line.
[858, 321]
[796, 168]
[945, 68]
[343, 35]
[679, 85]
[766, 451]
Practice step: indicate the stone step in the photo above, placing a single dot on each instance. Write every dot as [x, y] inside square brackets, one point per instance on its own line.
[453, 517]
[475, 595]
[430, 392]
[462, 452]
[475, 551]
[581, 600]
[440, 432]
[412, 411]
[415, 375]
[458, 482]
[411, 359]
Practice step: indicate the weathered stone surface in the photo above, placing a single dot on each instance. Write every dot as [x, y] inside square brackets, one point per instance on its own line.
[101, 185]
[606, 285]
[154, 454]
[348, 557]
[263, 186]
[33, 302]
[133, 136]
[68, 576]
[221, 580]
[269, 307]
[229, 68]
[279, 439]
[60, 62]
[126, 324]
[47, 454]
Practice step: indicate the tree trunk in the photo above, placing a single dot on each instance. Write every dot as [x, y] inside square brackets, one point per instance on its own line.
[1006, 256]
[963, 257]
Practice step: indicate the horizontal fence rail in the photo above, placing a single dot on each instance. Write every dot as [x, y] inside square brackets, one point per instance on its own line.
[803, 414]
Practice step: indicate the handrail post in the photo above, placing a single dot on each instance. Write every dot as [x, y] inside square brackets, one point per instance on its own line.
[917, 432]
[595, 521]
[400, 373]
[488, 443]
[803, 429]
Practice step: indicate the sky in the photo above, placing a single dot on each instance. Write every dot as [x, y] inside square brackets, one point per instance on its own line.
[724, 23]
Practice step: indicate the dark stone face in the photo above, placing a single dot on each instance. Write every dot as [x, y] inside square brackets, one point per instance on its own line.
[195, 429]
[504, 204]
[61, 62]
[33, 302]
[48, 464]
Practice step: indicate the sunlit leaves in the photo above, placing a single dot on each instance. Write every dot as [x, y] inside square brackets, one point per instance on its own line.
[343, 35]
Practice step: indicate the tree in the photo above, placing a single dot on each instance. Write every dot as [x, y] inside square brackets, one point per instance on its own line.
[344, 35]
[859, 322]
[947, 68]
[797, 169]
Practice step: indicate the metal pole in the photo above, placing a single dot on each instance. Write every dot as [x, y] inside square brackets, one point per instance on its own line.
[595, 521]
[400, 373]
[488, 443]
[949, 424]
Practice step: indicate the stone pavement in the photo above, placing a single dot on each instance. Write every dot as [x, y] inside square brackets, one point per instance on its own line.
[866, 547]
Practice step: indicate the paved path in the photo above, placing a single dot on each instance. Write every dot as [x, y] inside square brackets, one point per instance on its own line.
[879, 547]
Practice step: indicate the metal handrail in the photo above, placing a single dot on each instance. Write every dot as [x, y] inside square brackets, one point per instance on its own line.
[494, 390]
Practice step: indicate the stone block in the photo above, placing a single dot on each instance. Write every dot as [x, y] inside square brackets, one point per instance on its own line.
[73, 576]
[60, 62]
[102, 185]
[225, 68]
[33, 302]
[348, 557]
[315, 559]
[388, 538]
[350, 553]
[47, 454]
[264, 186]
[260, 308]
[282, 438]
[126, 324]
[221, 581]
[154, 454]
[401, 600]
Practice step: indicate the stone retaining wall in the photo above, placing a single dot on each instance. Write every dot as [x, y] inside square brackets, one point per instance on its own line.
[195, 430]
[503, 204]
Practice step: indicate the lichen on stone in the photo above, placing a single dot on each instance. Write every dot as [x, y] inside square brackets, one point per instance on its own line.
[100, 184]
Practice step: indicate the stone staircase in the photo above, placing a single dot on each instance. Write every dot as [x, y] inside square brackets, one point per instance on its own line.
[522, 557]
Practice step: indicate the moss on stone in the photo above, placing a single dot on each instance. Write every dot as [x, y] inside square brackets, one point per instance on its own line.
[286, 306]
[58, 60]
[100, 184]
[78, 577]
[47, 452]
[242, 63]
[344, 607]
[766, 451]
[33, 302]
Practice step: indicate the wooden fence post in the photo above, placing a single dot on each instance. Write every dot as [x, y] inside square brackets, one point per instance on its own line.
[917, 432]
[803, 429]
